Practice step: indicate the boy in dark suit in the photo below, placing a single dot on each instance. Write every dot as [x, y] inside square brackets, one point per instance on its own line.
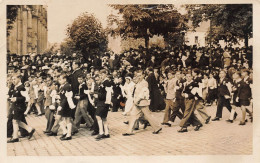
[18, 106]
[103, 103]
[65, 107]
[245, 94]
[224, 95]
[190, 105]
[82, 105]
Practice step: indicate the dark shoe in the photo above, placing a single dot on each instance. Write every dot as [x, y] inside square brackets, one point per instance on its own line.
[207, 120]
[52, 134]
[128, 134]
[198, 127]
[63, 136]
[31, 134]
[46, 132]
[246, 120]
[73, 133]
[107, 136]
[229, 120]
[168, 124]
[242, 123]
[216, 119]
[22, 136]
[126, 122]
[251, 118]
[66, 138]
[157, 132]
[100, 137]
[13, 140]
[235, 116]
[94, 133]
[137, 128]
[183, 130]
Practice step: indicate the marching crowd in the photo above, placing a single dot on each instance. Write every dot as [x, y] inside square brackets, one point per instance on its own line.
[71, 90]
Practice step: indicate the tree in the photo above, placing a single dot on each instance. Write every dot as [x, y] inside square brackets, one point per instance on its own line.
[229, 22]
[88, 35]
[145, 21]
[67, 47]
[12, 11]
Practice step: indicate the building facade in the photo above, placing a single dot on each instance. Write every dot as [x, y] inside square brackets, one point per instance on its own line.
[29, 32]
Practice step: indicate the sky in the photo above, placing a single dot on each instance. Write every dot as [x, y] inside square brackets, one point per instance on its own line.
[60, 15]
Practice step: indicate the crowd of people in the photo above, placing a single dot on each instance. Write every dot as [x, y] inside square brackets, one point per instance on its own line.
[71, 89]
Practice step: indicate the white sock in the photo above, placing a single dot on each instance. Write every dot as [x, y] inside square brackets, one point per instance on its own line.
[106, 127]
[69, 127]
[100, 125]
[63, 127]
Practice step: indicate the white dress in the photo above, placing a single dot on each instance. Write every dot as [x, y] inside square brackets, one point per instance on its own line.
[128, 90]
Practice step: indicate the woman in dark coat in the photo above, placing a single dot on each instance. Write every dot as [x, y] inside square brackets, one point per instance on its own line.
[157, 101]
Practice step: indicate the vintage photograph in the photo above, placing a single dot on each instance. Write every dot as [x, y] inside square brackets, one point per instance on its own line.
[129, 79]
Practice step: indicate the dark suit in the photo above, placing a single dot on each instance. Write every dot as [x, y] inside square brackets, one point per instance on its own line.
[117, 97]
[66, 110]
[222, 101]
[179, 101]
[75, 85]
[102, 107]
[81, 110]
[199, 102]
[74, 81]
[157, 101]
[190, 103]
[244, 93]
[16, 110]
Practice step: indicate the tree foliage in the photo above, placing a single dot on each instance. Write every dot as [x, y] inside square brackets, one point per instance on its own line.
[67, 47]
[229, 22]
[88, 35]
[145, 21]
[12, 12]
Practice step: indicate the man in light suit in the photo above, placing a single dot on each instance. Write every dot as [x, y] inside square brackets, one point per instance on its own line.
[141, 106]
[170, 97]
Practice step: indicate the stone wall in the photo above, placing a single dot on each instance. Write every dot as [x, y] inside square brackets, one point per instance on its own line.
[29, 32]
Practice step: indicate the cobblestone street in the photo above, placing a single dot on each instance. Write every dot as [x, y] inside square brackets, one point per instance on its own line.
[215, 138]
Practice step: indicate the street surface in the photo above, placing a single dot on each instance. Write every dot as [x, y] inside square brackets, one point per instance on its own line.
[215, 138]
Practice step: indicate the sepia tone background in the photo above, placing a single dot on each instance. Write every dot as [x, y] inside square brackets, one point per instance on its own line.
[203, 158]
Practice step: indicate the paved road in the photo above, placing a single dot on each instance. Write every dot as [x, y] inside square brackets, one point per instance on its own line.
[215, 138]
